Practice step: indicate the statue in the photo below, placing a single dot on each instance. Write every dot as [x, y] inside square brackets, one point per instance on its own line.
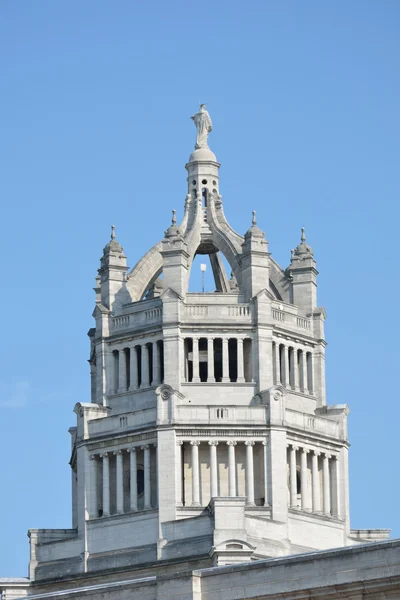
[203, 123]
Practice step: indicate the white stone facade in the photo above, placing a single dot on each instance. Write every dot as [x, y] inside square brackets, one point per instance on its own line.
[208, 440]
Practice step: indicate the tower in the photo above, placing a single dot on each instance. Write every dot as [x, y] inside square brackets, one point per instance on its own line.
[208, 439]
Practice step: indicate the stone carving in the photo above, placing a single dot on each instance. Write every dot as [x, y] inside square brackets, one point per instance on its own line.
[203, 123]
[165, 394]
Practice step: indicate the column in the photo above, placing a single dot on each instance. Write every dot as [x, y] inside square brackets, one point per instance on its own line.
[304, 483]
[277, 364]
[122, 372]
[119, 482]
[232, 468]
[115, 371]
[195, 473]
[155, 498]
[213, 469]
[225, 361]
[291, 366]
[295, 377]
[316, 504]
[133, 369]
[293, 475]
[249, 473]
[286, 363]
[145, 366]
[106, 484]
[92, 501]
[265, 444]
[240, 361]
[147, 481]
[304, 371]
[195, 363]
[156, 364]
[326, 483]
[133, 478]
[310, 374]
[336, 488]
[210, 360]
[178, 473]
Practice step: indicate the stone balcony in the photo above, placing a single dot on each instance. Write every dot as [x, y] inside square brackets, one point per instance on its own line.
[213, 308]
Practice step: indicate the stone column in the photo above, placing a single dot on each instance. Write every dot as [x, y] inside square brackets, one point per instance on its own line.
[327, 487]
[213, 469]
[286, 363]
[133, 369]
[195, 473]
[277, 364]
[178, 473]
[145, 366]
[156, 365]
[240, 361]
[316, 503]
[122, 372]
[106, 484]
[225, 360]
[133, 478]
[336, 488]
[232, 468]
[92, 489]
[310, 373]
[293, 475]
[119, 482]
[147, 480]
[195, 362]
[304, 370]
[295, 376]
[210, 360]
[267, 494]
[249, 473]
[304, 482]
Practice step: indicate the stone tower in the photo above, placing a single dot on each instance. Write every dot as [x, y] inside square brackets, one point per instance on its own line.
[207, 437]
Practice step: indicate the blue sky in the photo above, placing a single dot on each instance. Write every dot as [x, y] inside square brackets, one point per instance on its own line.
[94, 129]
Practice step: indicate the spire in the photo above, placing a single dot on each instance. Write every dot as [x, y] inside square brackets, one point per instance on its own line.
[254, 230]
[173, 230]
[303, 250]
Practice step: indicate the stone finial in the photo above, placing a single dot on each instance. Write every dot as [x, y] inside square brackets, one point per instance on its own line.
[173, 221]
[112, 233]
[303, 250]
[254, 219]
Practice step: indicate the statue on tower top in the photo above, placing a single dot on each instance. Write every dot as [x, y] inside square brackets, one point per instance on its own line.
[203, 123]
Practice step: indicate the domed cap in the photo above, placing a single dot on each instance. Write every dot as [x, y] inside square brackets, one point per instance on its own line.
[254, 230]
[303, 250]
[202, 155]
[173, 230]
[113, 245]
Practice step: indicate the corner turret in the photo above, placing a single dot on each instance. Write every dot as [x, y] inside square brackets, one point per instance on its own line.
[303, 273]
[112, 274]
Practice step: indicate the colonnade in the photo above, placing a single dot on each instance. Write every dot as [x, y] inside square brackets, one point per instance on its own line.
[213, 463]
[314, 497]
[137, 484]
[209, 359]
[293, 367]
[138, 366]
